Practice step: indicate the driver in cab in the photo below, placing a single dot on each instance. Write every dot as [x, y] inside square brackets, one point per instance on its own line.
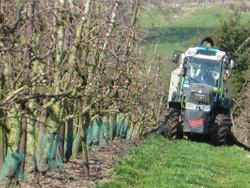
[205, 76]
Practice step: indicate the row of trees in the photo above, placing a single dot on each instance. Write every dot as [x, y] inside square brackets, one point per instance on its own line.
[70, 62]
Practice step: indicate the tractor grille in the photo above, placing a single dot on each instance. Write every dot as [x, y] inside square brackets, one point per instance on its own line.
[199, 93]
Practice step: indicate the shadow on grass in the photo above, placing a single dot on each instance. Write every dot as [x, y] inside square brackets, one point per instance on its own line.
[174, 34]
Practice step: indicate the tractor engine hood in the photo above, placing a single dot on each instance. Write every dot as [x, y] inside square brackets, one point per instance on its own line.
[200, 94]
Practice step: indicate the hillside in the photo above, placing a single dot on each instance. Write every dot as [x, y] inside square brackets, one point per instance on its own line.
[183, 33]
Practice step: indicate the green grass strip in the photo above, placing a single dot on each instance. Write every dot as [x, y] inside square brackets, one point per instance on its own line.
[181, 164]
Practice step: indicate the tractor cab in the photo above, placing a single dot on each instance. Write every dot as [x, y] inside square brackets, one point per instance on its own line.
[199, 70]
[203, 64]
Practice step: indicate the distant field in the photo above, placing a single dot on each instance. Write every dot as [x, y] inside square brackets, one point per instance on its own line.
[181, 34]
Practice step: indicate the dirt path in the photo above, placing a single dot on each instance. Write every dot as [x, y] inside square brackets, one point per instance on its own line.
[71, 174]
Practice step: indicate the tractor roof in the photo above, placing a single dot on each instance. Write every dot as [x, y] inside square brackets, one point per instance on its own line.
[205, 52]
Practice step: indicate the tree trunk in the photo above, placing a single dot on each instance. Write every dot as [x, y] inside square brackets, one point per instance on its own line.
[30, 157]
[14, 125]
[49, 145]
[42, 126]
[133, 22]
[13, 157]
[1, 148]
[2, 144]
[30, 160]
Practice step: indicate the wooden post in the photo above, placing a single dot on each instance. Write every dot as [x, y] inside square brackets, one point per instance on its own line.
[23, 142]
[111, 129]
[69, 137]
[2, 82]
[84, 145]
[42, 126]
[77, 143]
[76, 133]
[61, 143]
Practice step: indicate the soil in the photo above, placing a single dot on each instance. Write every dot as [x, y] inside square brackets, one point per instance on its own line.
[71, 174]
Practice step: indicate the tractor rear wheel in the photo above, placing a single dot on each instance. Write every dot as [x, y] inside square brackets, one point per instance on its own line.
[172, 124]
[220, 130]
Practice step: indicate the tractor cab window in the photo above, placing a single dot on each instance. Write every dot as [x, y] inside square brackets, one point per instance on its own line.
[200, 70]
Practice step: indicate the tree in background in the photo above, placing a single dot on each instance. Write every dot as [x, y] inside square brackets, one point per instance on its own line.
[233, 37]
[230, 36]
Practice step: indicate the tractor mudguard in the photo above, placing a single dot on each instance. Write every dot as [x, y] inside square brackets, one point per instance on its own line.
[172, 104]
[174, 84]
[227, 102]
[196, 121]
[222, 110]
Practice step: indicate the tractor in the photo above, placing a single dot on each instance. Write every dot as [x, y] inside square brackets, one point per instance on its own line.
[197, 106]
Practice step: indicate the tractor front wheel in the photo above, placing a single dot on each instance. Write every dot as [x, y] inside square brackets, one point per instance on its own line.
[172, 124]
[220, 130]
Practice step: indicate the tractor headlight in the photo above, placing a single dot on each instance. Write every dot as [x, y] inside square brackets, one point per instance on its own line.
[206, 108]
[191, 106]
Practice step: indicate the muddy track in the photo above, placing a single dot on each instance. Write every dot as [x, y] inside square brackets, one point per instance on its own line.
[71, 174]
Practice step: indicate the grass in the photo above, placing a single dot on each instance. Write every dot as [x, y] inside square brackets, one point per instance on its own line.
[182, 34]
[181, 164]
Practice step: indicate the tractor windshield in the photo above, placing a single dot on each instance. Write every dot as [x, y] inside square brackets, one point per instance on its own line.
[200, 70]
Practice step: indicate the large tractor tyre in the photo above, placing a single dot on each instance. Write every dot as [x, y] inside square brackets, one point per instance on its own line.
[220, 130]
[207, 39]
[172, 124]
